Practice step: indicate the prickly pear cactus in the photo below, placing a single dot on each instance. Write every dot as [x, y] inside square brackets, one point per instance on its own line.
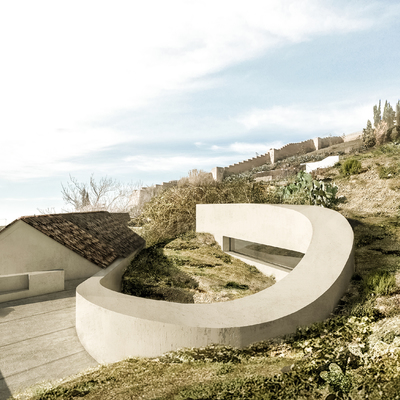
[319, 192]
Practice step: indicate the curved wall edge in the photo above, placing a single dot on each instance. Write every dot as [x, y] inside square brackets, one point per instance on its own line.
[113, 326]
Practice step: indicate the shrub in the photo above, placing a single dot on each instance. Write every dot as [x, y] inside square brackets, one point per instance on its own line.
[368, 136]
[387, 172]
[351, 167]
[173, 211]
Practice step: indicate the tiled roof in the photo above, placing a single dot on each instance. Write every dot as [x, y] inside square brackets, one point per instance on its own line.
[98, 236]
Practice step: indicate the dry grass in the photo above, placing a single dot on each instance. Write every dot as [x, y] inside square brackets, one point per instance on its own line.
[199, 258]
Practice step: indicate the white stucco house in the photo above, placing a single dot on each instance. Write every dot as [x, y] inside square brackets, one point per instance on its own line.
[77, 245]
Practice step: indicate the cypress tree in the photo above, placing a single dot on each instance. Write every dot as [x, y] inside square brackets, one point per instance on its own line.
[388, 114]
[377, 114]
[368, 136]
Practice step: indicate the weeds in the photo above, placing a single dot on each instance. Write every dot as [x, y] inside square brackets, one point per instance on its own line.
[350, 167]
[380, 283]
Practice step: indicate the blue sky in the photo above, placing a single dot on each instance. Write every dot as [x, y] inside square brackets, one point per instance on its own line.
[146, 91]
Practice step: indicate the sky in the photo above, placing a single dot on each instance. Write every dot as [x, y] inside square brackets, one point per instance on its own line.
[144, 91]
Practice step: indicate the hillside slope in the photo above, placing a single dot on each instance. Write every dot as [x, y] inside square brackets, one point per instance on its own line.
[354, 354]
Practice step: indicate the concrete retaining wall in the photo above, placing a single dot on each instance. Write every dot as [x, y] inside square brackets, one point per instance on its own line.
[20, 286]
[112, 326]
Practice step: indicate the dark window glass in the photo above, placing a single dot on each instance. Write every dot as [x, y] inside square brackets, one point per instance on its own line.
[285, 258]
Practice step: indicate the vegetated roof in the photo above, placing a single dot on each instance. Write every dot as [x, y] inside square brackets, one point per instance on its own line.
[98, 236]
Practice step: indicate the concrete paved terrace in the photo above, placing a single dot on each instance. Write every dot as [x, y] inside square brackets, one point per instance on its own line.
[38, 341]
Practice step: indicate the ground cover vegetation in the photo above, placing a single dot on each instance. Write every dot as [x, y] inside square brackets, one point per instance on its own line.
[355, 354]
[191, 269]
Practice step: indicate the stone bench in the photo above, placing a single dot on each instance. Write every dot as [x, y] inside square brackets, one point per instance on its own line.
[29, 284]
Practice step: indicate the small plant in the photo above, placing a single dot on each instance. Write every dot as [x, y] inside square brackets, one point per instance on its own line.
[337, 380]
[387, 172]
[235, 285]
[351, 167]
[380, 283]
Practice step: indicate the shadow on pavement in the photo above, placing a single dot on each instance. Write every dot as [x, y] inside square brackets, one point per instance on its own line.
[70, 291]
[4, 390]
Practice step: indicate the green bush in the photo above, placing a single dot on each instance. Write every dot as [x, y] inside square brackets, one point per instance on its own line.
[351, 167]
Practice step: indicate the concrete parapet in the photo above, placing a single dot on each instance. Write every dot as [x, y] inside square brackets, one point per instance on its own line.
[112, 326]
[20, 286]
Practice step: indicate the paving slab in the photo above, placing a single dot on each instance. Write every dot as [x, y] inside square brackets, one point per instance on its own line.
[38, 341]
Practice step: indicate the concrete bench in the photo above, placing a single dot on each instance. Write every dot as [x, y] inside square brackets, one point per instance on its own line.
[29, 284]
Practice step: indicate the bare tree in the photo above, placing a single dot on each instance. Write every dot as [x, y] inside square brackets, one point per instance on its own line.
[107, 194]
[48, 210]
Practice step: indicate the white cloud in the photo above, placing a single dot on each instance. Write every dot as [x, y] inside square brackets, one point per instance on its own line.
[335, 118]
[44, 153]
[69, 65]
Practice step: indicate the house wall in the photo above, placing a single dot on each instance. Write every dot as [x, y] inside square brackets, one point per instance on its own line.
[25, 249]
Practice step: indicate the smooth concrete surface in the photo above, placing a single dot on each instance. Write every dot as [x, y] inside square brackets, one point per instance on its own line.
[38, 341]
[112, 326]
[25, 249]
[21, 286]
[325, 163]
[13, 282]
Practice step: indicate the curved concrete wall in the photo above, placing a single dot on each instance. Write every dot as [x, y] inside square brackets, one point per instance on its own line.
[113, 326]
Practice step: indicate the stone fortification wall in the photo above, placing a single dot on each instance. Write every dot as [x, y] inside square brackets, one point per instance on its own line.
[145, 194]
[292, 149]
[289, 150]
[353, 136]
[247, 165]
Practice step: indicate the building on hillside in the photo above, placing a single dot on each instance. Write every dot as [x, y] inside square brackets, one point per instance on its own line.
[80, 244]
